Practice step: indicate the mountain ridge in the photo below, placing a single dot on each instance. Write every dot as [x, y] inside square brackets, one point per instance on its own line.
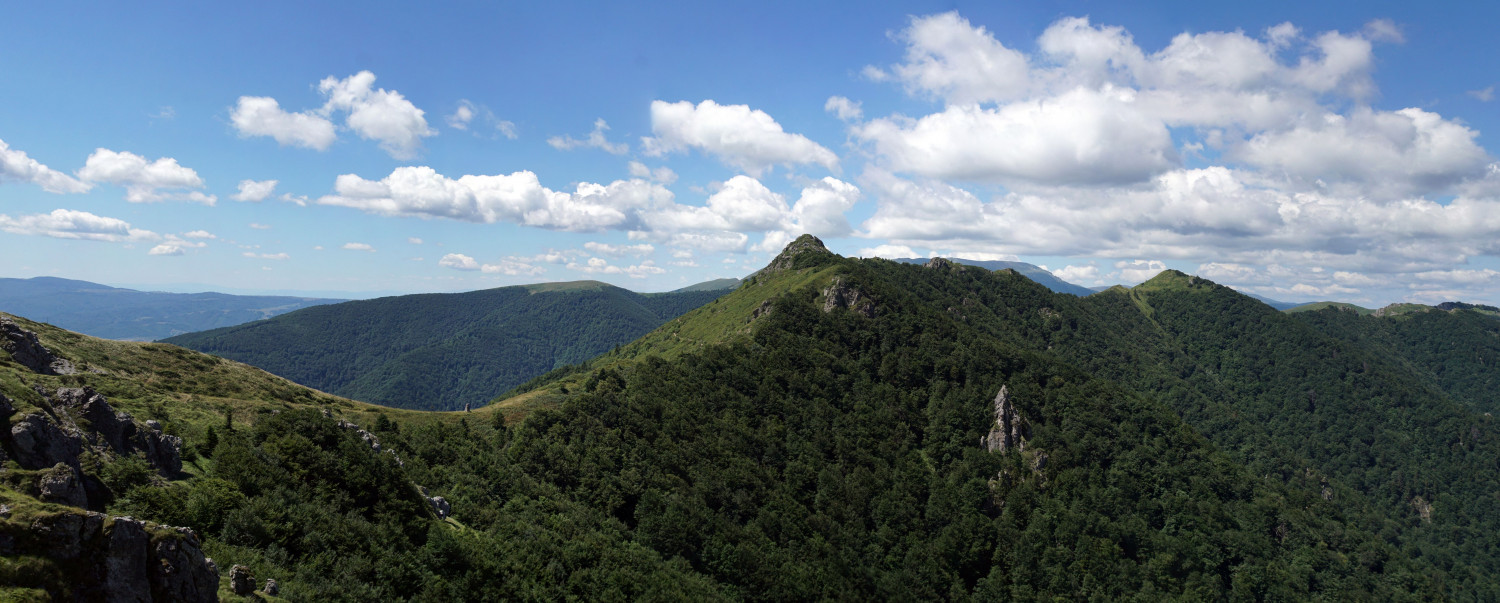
[445, 351]
[119, 313]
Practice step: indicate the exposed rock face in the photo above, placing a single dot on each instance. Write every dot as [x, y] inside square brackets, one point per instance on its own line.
[1010, 429]
[940, 264]
[63, 485]
[440, 506]
[804, 245]
[180, 572]
[125, 569]
[39, 443]
[764, 309]
[118, 560]
[240, 580]
[26, 350]
[1423, 508]
[841, 295]
[271, 588]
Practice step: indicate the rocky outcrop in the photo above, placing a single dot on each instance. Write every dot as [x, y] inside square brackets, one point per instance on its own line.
[839, 294]
[41, 440]
[29, 352]
[126, 576]
[240, 580]
[75, 421]
[764, 309]
[943, 264]
[271, 587]
[440, 505]
[805, 246]
[1423, 508]
[369, 438]
[180, 571]
[1010, 430]
[63, 485]
[38, 442]
[115, 558]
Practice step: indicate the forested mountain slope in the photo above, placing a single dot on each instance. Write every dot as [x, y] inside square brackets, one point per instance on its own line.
[1457, 348]
[116, 313]
[865, 429]
[1032, 271]
[443, 351]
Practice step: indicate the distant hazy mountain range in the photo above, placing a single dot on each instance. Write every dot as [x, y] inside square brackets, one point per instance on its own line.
[440, 351]
[115, 313]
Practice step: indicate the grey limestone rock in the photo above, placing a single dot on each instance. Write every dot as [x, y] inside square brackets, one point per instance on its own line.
[63, 485]
[118, 430]
[180, 572]
[1010, 429]
[39, 443]
[839, 294]
[271, 588]
[240, 580]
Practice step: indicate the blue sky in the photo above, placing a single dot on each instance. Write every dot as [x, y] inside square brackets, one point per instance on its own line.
[1297, 150]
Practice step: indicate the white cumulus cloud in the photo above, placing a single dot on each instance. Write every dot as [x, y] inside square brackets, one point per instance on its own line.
[377, 114]
[517, 198]
[744, 138]
[145, 181]
[843, 108]
[17, 165]
[74, 224]
[263, 116]
[254, 191]
[359, 247]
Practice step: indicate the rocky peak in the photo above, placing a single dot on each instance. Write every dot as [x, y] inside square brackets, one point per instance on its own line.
[1010, 429]
[28, 351]
[939, 264]
[805, 245]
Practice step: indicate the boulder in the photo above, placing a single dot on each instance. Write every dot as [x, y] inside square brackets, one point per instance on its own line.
[271, 588]
[240, 580]
[29, 352]
[39, 443]
[440, 506]
[63, 485]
